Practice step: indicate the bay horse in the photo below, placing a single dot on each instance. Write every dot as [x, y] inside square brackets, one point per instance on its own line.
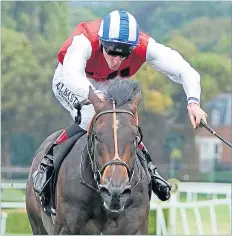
[102, 185]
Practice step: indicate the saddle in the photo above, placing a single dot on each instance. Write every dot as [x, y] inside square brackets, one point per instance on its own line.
[59, 154]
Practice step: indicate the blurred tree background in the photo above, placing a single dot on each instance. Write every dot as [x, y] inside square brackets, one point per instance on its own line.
[32, 33]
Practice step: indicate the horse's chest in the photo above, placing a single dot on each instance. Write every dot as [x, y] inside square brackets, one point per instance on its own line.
[102, 225]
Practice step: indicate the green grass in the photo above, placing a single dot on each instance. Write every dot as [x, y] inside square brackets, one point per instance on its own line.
[152, 220]
[200, 197]
[222, 219]
[12, 195]
[17, 221]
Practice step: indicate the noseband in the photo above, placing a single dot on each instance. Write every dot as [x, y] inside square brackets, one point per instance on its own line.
[98, 171]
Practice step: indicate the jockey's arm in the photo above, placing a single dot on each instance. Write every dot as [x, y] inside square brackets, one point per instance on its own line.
[74, 66]
[172, 64]
[74, 77]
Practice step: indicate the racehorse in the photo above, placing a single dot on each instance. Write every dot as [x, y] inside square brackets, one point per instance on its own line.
[102, 185]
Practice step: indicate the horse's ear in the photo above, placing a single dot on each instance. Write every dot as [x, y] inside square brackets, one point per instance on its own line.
[95, 100]
[135, 102]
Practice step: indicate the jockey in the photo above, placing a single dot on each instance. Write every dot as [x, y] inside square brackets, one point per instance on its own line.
[101, 50]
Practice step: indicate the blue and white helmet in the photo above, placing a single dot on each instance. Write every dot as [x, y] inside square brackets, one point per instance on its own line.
[119, 28]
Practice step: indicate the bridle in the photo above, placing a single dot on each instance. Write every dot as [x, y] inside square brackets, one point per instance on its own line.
[91, 145]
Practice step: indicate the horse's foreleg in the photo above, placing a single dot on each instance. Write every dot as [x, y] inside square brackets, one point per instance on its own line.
[36, 224]
[33, 212]
[143, 229]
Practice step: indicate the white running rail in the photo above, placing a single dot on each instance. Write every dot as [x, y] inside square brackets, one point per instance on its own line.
[190, 188]
[3, 216]
[170, 229]
[161, 226]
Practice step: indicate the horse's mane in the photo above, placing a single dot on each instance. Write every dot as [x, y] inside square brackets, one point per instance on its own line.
[122, 91]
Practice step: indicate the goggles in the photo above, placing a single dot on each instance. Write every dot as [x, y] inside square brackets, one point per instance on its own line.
[117, 49]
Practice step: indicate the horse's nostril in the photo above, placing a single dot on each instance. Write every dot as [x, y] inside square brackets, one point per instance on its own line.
[126, 192]
[105, 192]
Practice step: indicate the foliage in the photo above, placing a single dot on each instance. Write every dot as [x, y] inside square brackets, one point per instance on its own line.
[208, 33]
[33, 32]
[166, 16]
[156, 93]
[81, 14]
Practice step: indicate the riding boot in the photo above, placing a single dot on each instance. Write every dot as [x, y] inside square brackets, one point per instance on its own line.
[160, 186]
[44, 171]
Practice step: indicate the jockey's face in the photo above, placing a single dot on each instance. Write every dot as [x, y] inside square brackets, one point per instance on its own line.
[113, 61]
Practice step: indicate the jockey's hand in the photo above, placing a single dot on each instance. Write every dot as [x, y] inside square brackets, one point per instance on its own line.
[196, 114]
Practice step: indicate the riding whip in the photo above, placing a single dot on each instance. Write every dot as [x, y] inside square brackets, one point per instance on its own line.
[212, 131]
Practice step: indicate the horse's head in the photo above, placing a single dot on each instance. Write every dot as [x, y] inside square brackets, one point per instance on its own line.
[113, 140]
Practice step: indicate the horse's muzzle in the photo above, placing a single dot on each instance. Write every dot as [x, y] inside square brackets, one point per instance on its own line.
[115, 198]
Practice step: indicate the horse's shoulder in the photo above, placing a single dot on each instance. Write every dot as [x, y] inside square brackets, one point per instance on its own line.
[78, 148]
